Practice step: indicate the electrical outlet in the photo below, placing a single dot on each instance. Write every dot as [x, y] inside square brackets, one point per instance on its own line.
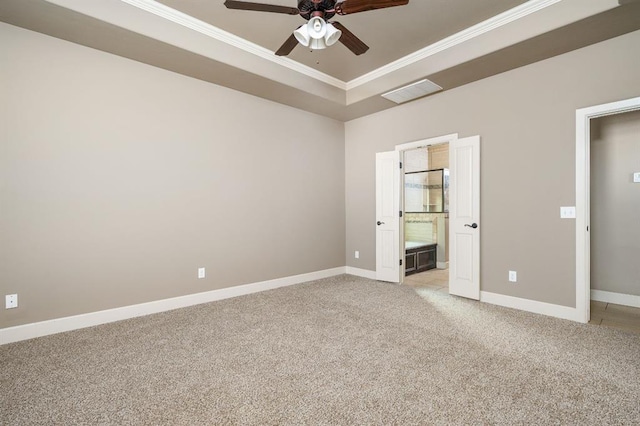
[201, 273]
[11, 301]
[636, 177]
[357, 254]
[513, 276]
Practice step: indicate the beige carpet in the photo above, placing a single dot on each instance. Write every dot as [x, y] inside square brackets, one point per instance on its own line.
[338, 351]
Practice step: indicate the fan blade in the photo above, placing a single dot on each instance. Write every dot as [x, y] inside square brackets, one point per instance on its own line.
[354, 6]
[261, 7]
[349, 39]
[288, 46]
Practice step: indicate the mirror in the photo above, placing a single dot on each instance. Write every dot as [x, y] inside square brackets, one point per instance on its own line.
[426, 192]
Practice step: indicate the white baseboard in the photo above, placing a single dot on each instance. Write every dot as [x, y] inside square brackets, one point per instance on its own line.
[615, 298]
[364, 273]
[534, 306]
[442, 265]
[59, 325]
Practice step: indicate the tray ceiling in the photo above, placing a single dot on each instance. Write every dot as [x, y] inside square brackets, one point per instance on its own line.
[449, 42]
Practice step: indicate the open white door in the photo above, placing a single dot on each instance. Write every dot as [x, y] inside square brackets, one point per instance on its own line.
[388, 253]
[464, 217]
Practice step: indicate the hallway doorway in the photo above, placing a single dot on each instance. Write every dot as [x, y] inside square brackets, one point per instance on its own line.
[584, 116]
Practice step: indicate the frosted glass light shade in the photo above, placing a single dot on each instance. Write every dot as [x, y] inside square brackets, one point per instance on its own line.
[332, 36]
[317, 27]
[317, 44]
[317, 34]
[302, 35]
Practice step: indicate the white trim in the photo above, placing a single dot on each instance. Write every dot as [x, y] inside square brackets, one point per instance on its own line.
[364, 273]
[461, 37]
[470, 33]
[406, 147]
[426, 142]
[616, 298]
[583, 193]
[557, 311]
[209, 30]
[442, 265]
[59, 325]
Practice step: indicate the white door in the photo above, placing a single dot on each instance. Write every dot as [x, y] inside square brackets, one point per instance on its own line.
[387, 224]
[464, 217]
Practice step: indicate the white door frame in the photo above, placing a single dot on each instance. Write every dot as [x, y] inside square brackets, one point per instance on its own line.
[583, 194]
[407, 147]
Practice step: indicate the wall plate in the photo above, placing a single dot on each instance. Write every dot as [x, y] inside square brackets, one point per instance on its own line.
[11, 301]
[568, 212]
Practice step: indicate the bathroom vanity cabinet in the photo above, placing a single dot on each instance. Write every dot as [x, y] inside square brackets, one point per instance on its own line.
[420, 258]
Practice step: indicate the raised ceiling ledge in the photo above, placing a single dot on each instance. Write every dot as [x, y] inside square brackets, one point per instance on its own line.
[203, 39]
[260, 73]
[512, 27]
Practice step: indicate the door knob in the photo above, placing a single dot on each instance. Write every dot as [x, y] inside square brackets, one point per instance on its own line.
[380, 223]
[473, 225]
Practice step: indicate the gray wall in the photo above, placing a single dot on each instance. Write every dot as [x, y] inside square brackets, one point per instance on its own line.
[118, 180]
[615, 204]
[526, 118]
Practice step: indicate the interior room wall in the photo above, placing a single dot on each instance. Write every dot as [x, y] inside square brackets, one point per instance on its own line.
[119, 180]
[526, 119]
[615, 203]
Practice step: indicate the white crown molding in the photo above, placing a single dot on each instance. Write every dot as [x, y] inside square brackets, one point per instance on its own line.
[477, 30]
[209, 30]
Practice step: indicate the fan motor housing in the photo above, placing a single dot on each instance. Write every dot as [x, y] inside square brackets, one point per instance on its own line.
[308, 7]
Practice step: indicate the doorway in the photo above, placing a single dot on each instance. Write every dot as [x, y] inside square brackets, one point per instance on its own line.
[583, 197]
[426, 216]
[615, 229]
[464, 214]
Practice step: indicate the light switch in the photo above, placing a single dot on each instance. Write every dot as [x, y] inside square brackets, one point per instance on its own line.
[568, 212]
[636, 177]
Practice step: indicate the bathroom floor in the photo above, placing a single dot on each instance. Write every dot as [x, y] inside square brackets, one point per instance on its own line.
[602, 314]
[436, 279]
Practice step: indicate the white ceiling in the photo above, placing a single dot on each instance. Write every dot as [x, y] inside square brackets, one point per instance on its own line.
[450, 42]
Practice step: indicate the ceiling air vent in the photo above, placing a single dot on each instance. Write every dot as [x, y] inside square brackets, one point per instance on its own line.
[413, 91]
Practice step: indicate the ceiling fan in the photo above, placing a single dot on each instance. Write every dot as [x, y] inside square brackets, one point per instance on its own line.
[318, 32]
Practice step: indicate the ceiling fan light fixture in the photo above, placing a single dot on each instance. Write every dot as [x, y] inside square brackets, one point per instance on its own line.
[302, 35]
[333, 35]
[317, 34]
[317, 27]
[317, 44]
